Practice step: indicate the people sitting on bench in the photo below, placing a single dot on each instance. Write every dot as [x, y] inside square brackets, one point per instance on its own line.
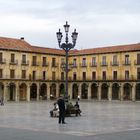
[70, 109]
[55, 111]
[77, 107]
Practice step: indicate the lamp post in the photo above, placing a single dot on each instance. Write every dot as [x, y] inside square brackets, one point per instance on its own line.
[66, 47]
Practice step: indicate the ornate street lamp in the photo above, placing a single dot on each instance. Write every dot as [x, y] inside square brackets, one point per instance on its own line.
[66, 47]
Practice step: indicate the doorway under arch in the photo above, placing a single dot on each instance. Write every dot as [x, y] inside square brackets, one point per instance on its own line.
[104, 91]
[53, 91]
[127, 90]
[84, 94]
[12, 91]
[62, 90]
[74, 91]
[23, 92]
[43, 92]
[94, 91]
[138, 91]
[115, 91]
[1, 90]
[33, 92]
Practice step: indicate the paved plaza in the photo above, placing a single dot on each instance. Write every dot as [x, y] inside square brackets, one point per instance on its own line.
[99, 120]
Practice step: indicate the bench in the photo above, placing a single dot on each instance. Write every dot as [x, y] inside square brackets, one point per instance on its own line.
[68, 113]
[72, 111]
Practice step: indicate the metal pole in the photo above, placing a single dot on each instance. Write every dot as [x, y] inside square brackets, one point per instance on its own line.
[66, 94]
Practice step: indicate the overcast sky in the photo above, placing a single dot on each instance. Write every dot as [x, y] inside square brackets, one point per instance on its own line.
[99, 22]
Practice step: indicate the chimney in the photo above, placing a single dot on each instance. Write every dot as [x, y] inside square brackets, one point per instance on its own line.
[22, 38]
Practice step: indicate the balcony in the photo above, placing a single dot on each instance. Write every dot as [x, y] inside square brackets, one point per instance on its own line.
[127, 63]
[83, 65]
[63, 65]
[25, 63]
[54, 65]
[104, 64]
[45, 64]
[136, 62]
[93, 64]
[115, 63]
[35, 63]
[73, 65]
[3, 61]
[13, 62]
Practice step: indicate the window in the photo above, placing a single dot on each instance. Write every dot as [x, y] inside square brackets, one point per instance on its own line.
[53, 76]
[44, 61]
[126, 75]
[1, 57]
[53, 62]
[93, 61]
[138, 73]
[93, 75]
[84, 62]
[12, 73]
[23, 74]
[127, 59]
[34, 62]
[63, 64]
[74, 76]
[12, 58]
[104, 60]
[104, 75]
[1, 73]
[62, 61]
[114, 59]
[114, 75]
[34, 75]
[74, 62]
[62, 75]
[24, 59]
[44, 75]
[84, 75]
[138, 59]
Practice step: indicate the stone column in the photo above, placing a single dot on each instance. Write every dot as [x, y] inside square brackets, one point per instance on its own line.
[17, 92]
[38, 89]
[134, 92]
[121, 92]
[110, 92]
[99, 92]
[57, 90]
[70, 90]
[89, 91]
[5, 92]
[48, 91]
[79, 90]
[28, 92]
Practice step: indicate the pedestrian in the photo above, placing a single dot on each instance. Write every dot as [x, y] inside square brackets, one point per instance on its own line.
[77, 107]
[78, 97]
[61, 105]
[2, 101]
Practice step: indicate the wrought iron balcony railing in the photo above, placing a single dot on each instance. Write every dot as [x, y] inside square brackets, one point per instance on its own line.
[13, 62]
[3, 61]
[93, 64]
[115, 63]
[25, 62]
[45, 64]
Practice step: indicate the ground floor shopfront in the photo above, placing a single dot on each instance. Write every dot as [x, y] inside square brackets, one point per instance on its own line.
[27, 91]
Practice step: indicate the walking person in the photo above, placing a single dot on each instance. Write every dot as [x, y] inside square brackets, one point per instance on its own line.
[61, 105]
[78, 97]
[2, 101]
[77, 107]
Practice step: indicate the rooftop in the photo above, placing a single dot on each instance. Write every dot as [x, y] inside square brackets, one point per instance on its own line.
[22, 45]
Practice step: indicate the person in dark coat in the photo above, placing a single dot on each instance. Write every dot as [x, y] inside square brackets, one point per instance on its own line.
[61, 105]
[77, 107]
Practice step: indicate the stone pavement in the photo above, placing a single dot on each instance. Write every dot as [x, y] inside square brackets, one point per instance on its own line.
[99, 120]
